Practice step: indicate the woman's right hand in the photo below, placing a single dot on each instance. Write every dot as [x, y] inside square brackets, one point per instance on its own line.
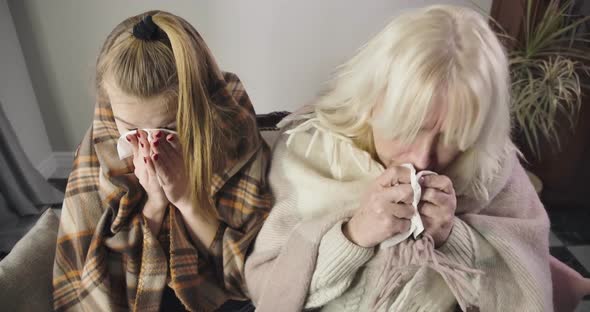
[386, 209]
[155, 206]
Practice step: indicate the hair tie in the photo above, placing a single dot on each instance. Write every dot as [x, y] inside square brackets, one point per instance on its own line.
[146, 29]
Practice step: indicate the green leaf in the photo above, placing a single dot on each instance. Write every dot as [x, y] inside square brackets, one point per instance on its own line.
[545, 69]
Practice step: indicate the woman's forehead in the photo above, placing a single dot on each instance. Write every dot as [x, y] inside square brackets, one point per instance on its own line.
[157, 111]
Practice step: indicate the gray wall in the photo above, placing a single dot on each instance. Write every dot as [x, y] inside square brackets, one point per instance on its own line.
[16, 93]
[283, 50]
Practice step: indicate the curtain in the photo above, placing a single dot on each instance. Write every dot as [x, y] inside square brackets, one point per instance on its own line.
[23, 190]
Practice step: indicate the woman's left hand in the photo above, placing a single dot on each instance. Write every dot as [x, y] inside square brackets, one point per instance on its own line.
[169, 164]
[437, 207]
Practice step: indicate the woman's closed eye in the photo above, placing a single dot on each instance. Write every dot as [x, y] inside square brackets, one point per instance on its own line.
[167, 128]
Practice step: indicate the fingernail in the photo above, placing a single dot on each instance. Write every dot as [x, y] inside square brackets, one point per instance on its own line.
[141, 144]
[171, 138]
[156, 143]
[158, 134]
[145, 160]
[155, 157]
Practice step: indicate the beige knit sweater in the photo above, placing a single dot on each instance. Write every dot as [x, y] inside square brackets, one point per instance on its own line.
[301, 259]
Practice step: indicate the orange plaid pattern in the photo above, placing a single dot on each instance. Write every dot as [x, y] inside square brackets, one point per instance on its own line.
[106, 257]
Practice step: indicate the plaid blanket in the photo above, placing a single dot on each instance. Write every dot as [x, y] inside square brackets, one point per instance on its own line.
[108, 260]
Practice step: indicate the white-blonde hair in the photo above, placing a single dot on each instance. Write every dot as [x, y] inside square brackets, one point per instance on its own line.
[442, 49]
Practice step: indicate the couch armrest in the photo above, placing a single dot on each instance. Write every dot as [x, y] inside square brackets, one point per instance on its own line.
[26, 272]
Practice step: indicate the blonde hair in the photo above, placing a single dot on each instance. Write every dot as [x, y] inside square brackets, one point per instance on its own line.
[442, 49]
[179, 64]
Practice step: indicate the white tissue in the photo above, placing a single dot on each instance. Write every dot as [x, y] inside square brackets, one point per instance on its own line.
[416, 226]
[124, 147]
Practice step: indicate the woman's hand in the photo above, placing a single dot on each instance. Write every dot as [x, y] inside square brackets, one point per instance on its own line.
[385, 210]
[169, 165]
[437, 207]
[156, 204]
[170, 168]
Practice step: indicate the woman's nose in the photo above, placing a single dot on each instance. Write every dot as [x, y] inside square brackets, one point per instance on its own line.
[423, 156]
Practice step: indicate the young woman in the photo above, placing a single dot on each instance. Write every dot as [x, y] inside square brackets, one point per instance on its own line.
[361, 223]
[167, 228]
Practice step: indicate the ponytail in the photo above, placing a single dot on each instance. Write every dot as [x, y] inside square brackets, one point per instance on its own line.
[195, 118]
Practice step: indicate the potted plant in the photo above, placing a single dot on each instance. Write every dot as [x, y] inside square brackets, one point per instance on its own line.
[547, 63]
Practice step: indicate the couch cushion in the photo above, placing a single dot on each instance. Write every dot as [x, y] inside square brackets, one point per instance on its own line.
[26, 272]
[269, 121]
[270, 136]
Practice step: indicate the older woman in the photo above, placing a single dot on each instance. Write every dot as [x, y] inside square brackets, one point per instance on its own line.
[400, 189]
